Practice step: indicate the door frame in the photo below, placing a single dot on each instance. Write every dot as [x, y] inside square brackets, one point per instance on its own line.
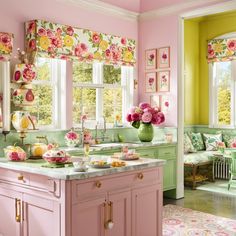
[203, 11]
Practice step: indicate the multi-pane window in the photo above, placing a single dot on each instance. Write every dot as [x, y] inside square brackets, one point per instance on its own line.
[47, 92]
[222, 107]
[101, 91]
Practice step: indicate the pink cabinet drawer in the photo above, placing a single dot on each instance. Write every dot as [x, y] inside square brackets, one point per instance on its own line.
[100, 185]
[14, 176]
[45, 183]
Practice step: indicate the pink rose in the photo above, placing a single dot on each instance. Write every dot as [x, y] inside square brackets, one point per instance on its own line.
[166, 104]
[130, 49]
[129, 117]
[71, 135]
[59, 31]
[96, 38]
[233, 144]
[32, 44]
[80, 49]
[113, 47]
[232, 45]
[147, 117]
[108, 53]
[149, 109]
[31, 27]
[132, 110]
[28, 74]
[158, 118]
[5, 39]
[42, 32]
[17, 75]
[144, 105]
[57, 42]
[164, 56]
[50, 33]
[135, 117]
[90, 56]
[123, 41]
[70, 31]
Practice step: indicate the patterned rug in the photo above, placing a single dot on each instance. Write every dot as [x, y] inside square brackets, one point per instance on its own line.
[179, 221]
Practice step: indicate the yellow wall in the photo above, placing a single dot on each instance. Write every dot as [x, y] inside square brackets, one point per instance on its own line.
[191, 72]
[207, 28]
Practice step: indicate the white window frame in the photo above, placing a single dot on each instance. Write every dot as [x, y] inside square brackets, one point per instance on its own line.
[213, 86]
[127, 84]
[57, 83]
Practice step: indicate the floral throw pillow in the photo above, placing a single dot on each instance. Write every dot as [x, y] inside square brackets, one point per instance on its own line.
[197, 141]
[229, 140]
[188, 146]
[211, 141]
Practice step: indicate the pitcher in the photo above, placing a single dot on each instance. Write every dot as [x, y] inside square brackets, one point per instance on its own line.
[21, 120]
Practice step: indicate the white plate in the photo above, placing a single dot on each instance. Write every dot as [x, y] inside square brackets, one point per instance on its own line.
[100, 166]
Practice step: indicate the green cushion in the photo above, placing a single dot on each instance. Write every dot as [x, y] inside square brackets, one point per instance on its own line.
[229, 139]
[197, 141]
[211, 141]
[188, 146]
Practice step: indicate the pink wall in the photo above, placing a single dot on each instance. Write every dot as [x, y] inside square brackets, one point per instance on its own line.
[13, 14]
[160, 37]
[131, 5]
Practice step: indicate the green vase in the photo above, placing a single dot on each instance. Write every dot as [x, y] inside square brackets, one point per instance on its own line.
[145, 132]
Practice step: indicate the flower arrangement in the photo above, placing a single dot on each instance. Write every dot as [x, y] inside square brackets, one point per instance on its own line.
[144, 113]
[221, 146]
[87, 136]
[72, 138]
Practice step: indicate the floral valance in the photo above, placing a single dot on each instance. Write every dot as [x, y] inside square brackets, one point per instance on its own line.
[221, 50]
[52, 40]
[6, 45]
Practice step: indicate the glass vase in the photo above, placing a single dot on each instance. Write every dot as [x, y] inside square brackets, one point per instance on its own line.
[145, 132]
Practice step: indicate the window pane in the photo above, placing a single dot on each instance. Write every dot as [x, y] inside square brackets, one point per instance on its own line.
[84, 102]
[42, 108]
[112, 105]
[112, 75]
[223, 75]
[82, 72]
[43, 69]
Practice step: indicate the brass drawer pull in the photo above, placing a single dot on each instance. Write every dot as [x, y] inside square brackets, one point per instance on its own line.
[20, 177]
[98, 184]
[140, 176]
[110, 223]
[18, 210]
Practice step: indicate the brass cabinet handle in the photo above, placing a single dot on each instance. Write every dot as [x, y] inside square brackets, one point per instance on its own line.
[140, 176]
[18, 210]
[110, 224]
[98, 184]
[20, 177]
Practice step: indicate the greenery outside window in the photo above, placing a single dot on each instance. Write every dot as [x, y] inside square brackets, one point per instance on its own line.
[222, 94]
[101, 91]
[49, 93]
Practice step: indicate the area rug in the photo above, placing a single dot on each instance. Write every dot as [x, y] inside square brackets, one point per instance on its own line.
[179, 221]
[220, 186]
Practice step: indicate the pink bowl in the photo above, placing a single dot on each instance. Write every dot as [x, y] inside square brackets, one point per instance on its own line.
[56, 156]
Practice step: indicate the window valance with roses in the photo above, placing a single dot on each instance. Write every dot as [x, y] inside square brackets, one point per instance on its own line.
[6, 45]
[221, 50]
[52, 40]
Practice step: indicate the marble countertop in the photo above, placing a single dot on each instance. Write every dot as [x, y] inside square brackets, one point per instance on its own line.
[69, 173]
[110, 146]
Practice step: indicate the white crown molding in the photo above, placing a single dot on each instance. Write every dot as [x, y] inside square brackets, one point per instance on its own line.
[105, 8]
[174, 8]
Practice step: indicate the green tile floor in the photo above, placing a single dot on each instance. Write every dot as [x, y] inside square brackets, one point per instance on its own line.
[209, 202]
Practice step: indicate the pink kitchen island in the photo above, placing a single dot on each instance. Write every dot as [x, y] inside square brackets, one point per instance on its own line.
[123, 201]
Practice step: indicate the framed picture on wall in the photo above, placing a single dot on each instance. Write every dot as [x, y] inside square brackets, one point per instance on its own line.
[155, 101]
[163, 57]
[163, 81]
[151, 82]
[165, 102]
[150, 59]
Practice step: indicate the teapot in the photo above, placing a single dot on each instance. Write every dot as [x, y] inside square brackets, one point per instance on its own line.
[21, 121]
[38, 149]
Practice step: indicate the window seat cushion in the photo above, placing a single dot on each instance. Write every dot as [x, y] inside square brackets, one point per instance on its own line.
[198, 157]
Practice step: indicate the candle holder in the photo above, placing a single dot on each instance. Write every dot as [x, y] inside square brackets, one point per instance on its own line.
[5, 133]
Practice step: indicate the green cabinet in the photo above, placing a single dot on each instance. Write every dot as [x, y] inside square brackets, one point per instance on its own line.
[168, 153]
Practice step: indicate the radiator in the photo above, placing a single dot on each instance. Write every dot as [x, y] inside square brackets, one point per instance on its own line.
[221, 169]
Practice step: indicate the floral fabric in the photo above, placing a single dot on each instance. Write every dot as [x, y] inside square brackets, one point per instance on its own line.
[188, 146]
[221, 50]
[197, 141]
[65, 42]
[6, 45]
[229, 140]
[211, 141]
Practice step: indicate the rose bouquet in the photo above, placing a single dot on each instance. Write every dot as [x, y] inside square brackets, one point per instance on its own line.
[144, 113]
